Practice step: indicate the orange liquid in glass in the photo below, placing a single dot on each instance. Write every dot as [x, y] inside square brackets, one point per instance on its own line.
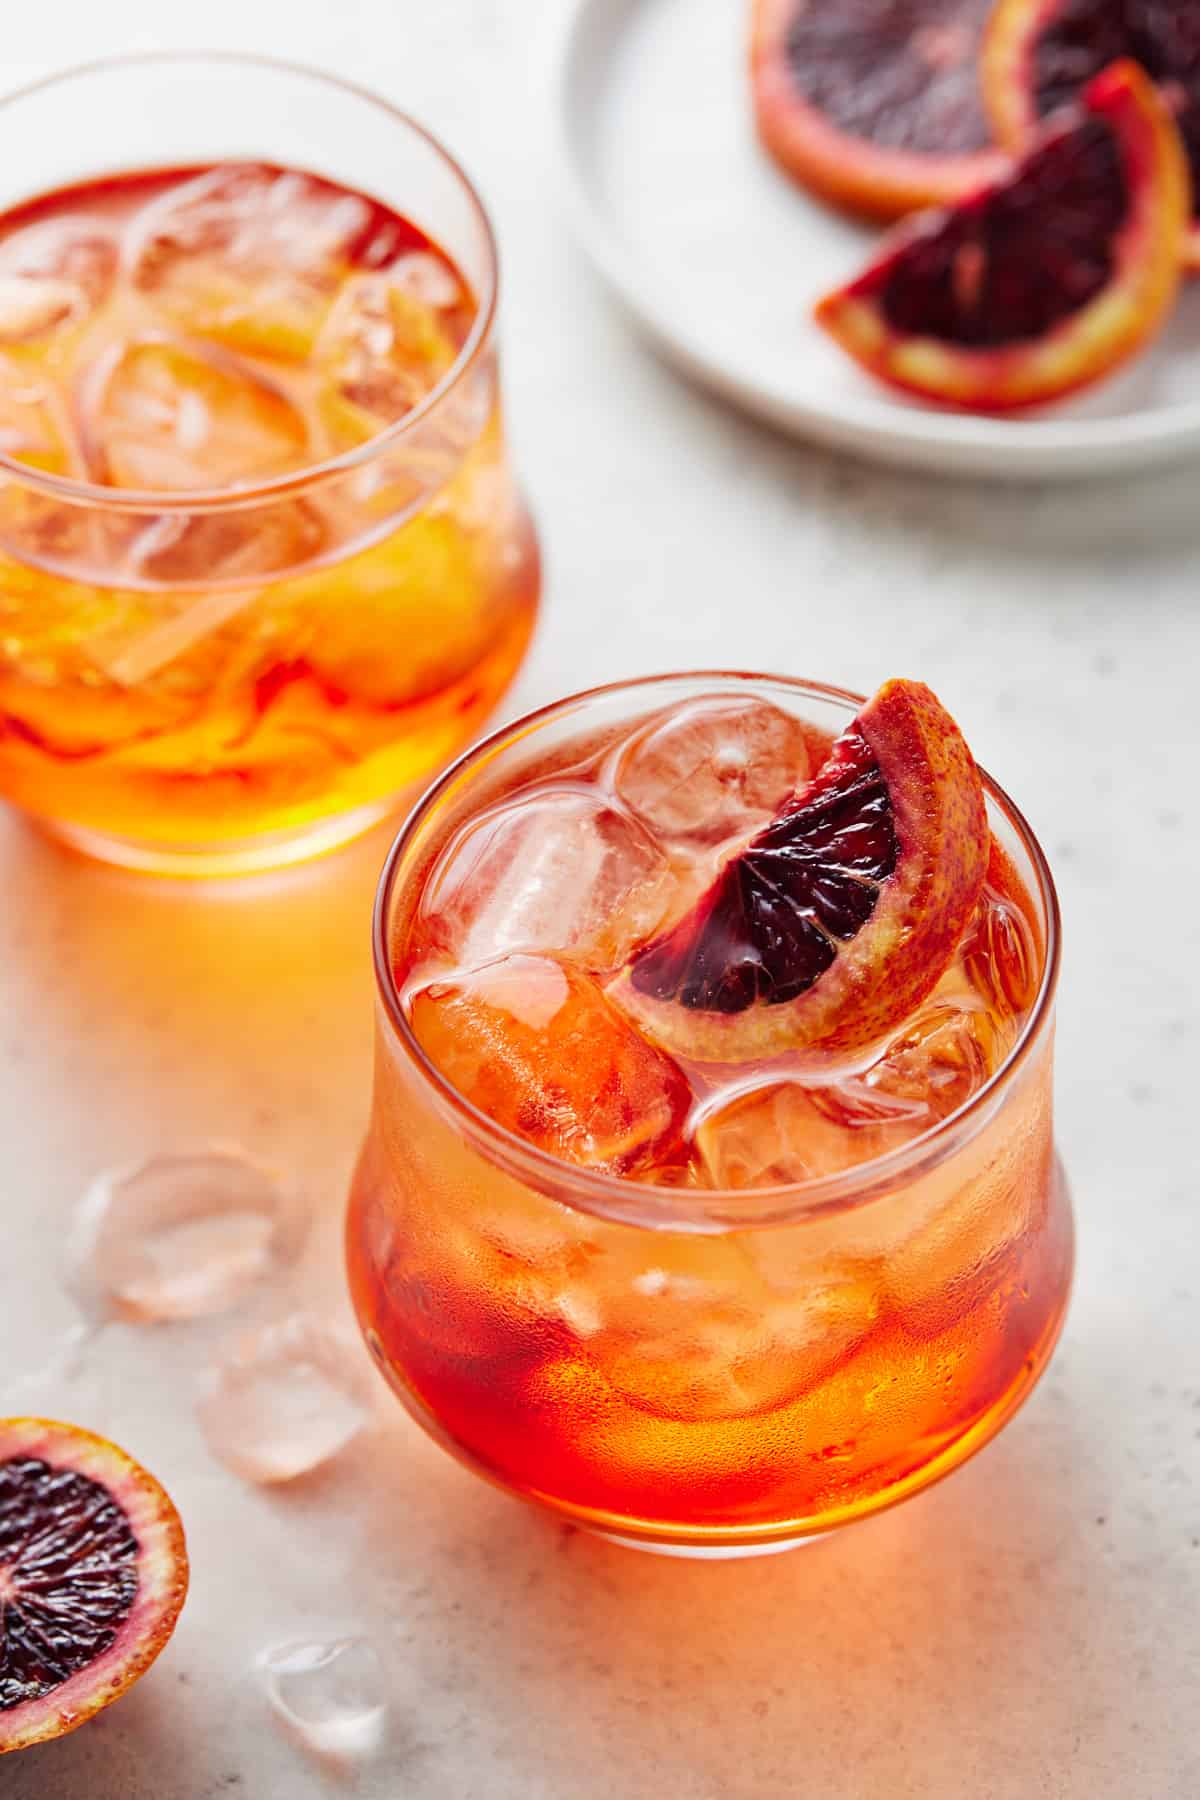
[728, 1387]
[206, 678]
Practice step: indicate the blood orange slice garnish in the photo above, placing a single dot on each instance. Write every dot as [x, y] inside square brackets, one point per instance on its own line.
[1038, 55]
[828, 930]
[873, 104]
[1042, 282]
[93, 1573]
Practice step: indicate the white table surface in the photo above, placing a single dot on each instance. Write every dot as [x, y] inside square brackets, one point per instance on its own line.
[1030, 1628]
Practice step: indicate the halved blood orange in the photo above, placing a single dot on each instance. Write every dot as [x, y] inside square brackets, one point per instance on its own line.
[834, 923]
[93, 1573]
[873, 104]
[1038, 54]
[1042, 282]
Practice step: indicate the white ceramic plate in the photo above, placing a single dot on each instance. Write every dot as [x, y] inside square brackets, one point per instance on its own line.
[719, 257]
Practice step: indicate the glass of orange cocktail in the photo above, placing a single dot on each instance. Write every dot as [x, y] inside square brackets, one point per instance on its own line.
[710, 1195]
[263, 563]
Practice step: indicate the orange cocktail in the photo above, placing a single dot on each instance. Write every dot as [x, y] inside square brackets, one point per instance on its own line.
[710, 1194]
[263, 564]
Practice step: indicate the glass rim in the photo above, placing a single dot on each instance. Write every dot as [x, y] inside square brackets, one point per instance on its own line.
[221, 499]
[712, 1209]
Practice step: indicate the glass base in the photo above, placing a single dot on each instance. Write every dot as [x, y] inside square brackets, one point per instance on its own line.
[212, 862]
[723, 1543]
[710, 1552]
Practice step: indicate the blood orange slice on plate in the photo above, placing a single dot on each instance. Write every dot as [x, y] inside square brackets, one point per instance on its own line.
[833, 924]
[1042, 282]
[93, 1573]
[873, 104]
[1038, 55]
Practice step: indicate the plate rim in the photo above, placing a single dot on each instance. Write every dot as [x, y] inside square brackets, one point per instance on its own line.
[1014, 449]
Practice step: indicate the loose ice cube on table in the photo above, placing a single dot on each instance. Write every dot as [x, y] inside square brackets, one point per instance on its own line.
[535, 1045]
[180, 1236]
[563, 869]
[285, 1399]
[331, 1693]
[166, 417]
[714, 768]
[52, 274]
[249, 255]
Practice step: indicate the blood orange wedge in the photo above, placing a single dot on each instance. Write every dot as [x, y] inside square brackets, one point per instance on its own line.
[1042, 282]
[836, 921]
[93, 1573]
[873, 104]
[1038, 54]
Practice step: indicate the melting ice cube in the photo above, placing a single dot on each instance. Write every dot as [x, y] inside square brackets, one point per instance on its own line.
[285, 1399]
[179, 1236]
[331, 1694]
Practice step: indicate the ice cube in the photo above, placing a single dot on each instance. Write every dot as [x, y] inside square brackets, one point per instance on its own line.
[999, 955]
[53, 274]
[248, 255]
[428, 279]
[382, 351]
[284, 1400]
[534, 1044]
[562, 869]
[942, 1057]
[179, 1236]
[160, 416]
[200, 549]
[715, 768]
[784, 1132]
[32, 429]
[499, 1287]
[330, 1693]
[706, 1331]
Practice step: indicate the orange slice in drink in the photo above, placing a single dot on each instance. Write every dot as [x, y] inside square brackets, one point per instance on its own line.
[833, 924]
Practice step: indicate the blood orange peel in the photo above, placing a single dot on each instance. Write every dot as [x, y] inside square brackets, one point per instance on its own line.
[835, 922]
[1036, 55]
[873, 104]
[93, 1574]
[1043, 282]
